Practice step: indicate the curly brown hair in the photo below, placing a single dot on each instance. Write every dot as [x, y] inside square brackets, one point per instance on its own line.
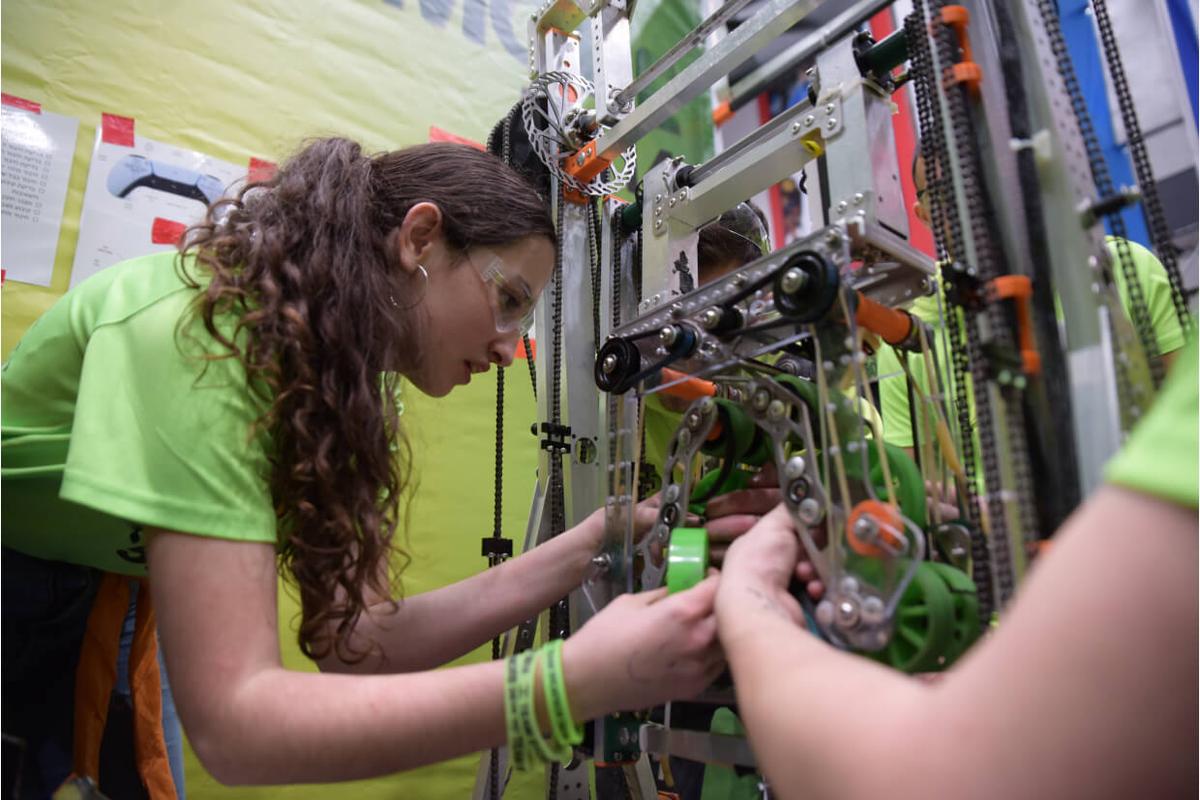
[297, 282]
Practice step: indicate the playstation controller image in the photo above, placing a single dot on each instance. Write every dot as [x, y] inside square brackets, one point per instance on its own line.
[134, 172]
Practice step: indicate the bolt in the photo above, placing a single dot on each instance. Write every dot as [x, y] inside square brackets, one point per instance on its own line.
[776, 410]
[831, 123]
[809, 120]
[794, 280]
[602, 562]
[866, 527]
[609, 364]
[761, 400]
[794, 467]
[872, 610]
[858, 198]
[810, 511]
[847, 614]
[710, 318]
[668, 335]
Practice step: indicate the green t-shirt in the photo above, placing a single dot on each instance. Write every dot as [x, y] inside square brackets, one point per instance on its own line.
[893, 388]
[1162, 456]
[111, 422]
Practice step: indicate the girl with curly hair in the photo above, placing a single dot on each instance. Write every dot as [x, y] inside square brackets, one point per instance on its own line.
[181, 426]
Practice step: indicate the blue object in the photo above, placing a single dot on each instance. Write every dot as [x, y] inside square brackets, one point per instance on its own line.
[1080, 32]
[1184, 28]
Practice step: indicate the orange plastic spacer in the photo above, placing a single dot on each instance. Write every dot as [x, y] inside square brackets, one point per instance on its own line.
[1019, 289]
[966, 71]
[584, 165]
[886, 516]
[689, 389]
[894, 325]
[722, 113]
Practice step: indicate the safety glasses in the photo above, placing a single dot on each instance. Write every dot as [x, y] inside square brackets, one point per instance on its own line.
[512, 301]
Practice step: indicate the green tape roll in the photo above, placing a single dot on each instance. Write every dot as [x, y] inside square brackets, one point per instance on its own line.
[687, 558]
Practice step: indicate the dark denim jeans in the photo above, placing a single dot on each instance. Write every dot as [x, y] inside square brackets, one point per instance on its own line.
[45, 611]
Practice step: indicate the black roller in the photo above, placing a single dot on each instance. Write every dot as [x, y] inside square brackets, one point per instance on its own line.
[812, 299]
[625, 363]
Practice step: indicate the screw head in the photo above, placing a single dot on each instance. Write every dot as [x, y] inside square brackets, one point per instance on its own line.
[847, 614]
[842, 206]
[761, 400]
[809, 119]
[810, 511]
[794, 280]
[710, 318]
[776, 410]
[831, 123]
[609, 364]
[796, 127]
[829, 107]
[671, 202]
[858, 198]
[794, 467]
[668, 335]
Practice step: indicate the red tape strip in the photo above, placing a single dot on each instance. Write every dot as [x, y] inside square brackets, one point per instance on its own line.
[20, 102]
[116, 130]
[260, 170]
[166, 231]
[521, 353]
[437, 134]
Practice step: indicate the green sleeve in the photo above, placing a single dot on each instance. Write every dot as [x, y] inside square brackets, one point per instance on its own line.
[1156, 288]
[164, 439]
[1160, 457]
[893, 399]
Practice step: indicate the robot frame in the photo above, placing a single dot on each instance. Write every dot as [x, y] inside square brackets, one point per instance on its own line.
[1017, 411]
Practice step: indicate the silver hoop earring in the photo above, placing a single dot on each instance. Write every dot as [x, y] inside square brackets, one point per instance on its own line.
[424, 290]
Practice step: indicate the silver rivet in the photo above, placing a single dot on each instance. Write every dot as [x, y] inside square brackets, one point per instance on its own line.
[809, 120]
[829, 108]
[831, 123]
[842, 206]
[796, 127]
[858, 198]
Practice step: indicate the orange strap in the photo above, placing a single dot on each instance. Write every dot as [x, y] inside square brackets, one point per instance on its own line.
[690, 389]
[96, 676]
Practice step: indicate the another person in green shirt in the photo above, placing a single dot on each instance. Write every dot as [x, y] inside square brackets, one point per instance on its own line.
[1088, 689]
[203, 421]
[893, 386]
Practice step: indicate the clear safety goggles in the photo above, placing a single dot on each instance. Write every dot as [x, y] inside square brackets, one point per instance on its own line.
[742, 221]
[512, 301]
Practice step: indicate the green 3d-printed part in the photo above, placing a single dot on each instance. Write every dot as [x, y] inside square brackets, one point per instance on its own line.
[687, 558]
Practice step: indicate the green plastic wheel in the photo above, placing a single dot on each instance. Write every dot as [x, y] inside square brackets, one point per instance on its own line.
[966, 610]
[925, 624]
[687, 558]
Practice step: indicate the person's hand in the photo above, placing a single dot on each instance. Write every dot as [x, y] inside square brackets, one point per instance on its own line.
[731, 515]
[642, 650]
[589, 534]
[758, 569]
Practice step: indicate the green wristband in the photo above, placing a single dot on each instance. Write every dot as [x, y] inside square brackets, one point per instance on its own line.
[566, 731]
[532, 728]
[518, 749]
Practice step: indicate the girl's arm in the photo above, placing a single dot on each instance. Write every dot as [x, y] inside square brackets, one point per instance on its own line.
[252, 721]
[1087, 689]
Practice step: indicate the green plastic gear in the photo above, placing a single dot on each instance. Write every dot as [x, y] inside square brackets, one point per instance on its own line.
[687, 559]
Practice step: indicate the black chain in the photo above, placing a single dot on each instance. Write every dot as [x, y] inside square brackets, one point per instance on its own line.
[1155, 217]
[1139, 313]
[945, 224]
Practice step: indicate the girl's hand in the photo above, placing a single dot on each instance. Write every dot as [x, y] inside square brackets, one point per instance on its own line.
[643, 650]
